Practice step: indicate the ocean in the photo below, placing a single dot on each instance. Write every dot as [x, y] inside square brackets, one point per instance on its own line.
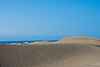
[10, 42]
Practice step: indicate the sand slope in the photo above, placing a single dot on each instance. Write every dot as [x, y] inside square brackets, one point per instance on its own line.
[80, 39]
[68, 52]
[49, 55]
[43, 42]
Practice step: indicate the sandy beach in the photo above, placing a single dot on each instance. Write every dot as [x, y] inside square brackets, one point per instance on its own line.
[78, 51]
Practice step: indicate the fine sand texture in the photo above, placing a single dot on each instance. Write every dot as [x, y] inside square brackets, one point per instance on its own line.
[50, 55]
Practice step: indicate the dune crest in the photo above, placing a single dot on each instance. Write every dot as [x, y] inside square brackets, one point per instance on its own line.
[80, 39]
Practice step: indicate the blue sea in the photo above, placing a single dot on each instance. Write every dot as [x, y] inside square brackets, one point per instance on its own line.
[9, 42]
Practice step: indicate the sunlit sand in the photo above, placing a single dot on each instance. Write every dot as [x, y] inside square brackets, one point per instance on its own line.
[75, 51]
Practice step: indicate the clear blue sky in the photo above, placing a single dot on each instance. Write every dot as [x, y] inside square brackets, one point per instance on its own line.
[48, 19]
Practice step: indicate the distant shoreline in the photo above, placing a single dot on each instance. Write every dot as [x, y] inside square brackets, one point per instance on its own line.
[9, 42]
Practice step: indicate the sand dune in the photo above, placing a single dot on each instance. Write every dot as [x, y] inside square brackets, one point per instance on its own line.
[80, 39]
[54, 55]
[46, 41]
[42, 42]
[14, 44]
[50, 55]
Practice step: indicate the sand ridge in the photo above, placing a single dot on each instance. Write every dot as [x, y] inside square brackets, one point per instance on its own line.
[50, 55]
[80, 39]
